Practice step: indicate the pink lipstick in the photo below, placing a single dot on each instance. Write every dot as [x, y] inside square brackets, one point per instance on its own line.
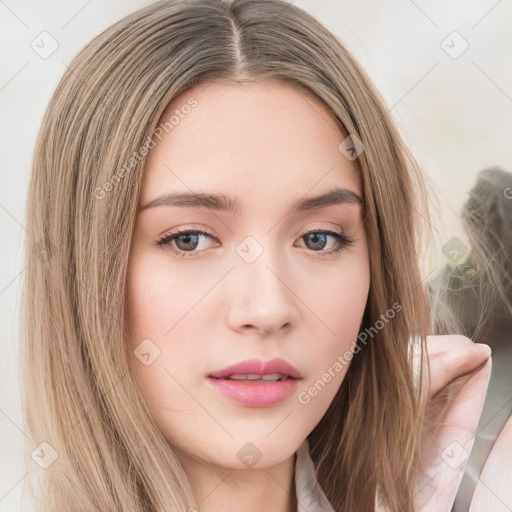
[255, 383]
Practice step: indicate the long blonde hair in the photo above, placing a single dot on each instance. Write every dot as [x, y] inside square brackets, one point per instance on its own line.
[80, 396]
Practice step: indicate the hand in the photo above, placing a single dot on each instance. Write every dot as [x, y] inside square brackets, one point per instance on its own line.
[460, 372]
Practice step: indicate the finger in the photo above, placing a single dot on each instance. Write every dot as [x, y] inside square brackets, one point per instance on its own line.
[453, 356]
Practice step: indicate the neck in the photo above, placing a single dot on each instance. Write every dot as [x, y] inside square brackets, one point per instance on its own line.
[230, 490]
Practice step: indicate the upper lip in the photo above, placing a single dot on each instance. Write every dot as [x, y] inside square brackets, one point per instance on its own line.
[258, 367]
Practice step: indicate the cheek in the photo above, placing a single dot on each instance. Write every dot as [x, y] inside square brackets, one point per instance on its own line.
[167, 325]
[347, 304]
[339, 304]
[338, 299]
[157, 304]
[156, 298]
[331, 357]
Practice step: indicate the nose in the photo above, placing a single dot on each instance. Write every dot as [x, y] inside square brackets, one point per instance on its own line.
[262, 298]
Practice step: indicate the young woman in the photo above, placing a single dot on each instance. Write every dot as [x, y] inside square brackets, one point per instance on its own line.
[225, 310]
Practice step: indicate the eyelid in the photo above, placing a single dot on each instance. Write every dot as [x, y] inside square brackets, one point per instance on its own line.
[187, 229]
[320, 229]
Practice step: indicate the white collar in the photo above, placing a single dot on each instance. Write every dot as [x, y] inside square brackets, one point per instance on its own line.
[310, 497]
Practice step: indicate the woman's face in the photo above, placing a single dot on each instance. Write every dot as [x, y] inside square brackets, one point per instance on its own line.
[248, 281]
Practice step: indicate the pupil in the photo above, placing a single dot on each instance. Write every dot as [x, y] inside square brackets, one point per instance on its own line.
[187, 239]
[315, 237]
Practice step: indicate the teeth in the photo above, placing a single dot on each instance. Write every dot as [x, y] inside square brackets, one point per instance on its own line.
[253, 376]
[244, 376]
[272, 376]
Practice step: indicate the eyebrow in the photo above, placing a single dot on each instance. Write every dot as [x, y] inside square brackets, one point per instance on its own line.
[226, 203]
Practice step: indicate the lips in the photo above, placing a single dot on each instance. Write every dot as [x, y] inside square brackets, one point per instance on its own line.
[254, 383]
[255, 369]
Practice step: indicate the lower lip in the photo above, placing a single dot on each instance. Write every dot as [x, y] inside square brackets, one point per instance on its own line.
[255, 394]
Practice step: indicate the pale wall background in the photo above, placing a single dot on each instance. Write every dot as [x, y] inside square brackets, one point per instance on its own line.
[454, 112]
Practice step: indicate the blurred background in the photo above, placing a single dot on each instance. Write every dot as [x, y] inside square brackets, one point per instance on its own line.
[440, 66]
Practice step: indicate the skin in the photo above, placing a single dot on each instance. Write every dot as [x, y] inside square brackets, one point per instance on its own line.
[268, 145]
[449, 431]
[212, 309]
[450, 357]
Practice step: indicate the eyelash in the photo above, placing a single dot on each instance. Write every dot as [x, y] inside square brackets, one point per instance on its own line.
[343, 241]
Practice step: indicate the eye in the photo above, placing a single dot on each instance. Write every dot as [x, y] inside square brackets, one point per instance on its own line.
[316, 240]
[183, 241]
[187, 240]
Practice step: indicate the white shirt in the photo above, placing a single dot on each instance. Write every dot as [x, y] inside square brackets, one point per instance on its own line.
[310, 497]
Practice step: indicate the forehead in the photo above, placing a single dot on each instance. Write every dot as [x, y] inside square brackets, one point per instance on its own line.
[267, 139]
